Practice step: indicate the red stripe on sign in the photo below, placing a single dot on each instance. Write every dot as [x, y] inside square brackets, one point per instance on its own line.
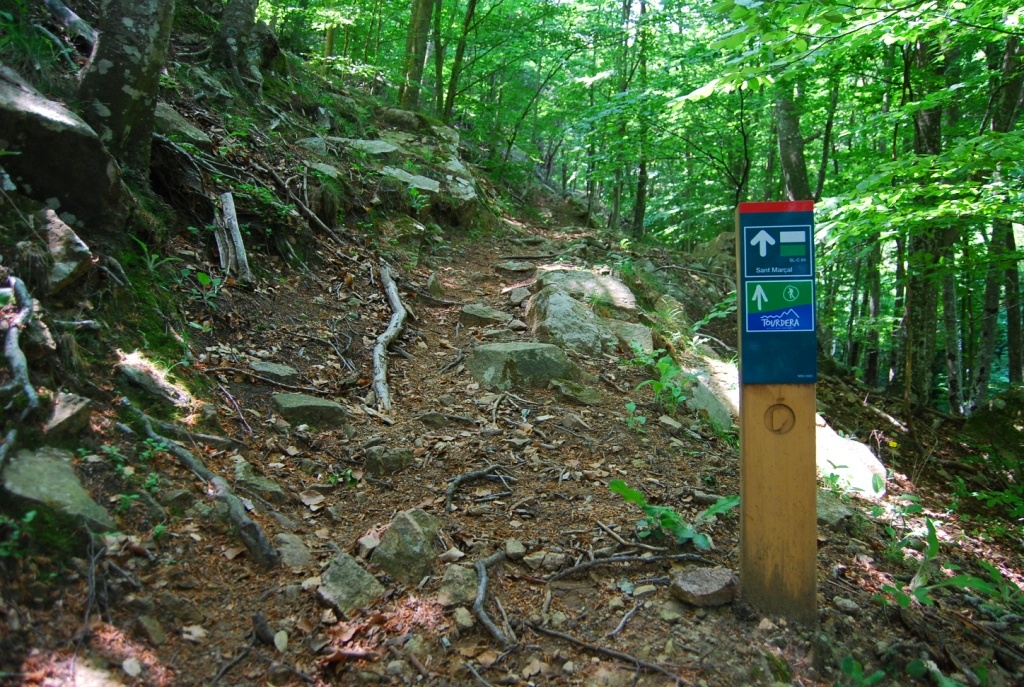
[782, 206]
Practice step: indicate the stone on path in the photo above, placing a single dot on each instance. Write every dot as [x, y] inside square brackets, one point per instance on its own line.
[406, 551]
[285, 374]
[246, 479]
[381, 462]
[629, 333]
[604, 291]
[575, 392]
[556, 317]
[294, 553]
[346, 586]
[479, 315]
[853, 463]
[71, 257]
[704, 586]
[137, 370]
[833, 514]
[416, 181]
[517, 267]
[70, 417]
[508, 365]
[44, 479]
[309, 410]
[458, 586]
[175, 127]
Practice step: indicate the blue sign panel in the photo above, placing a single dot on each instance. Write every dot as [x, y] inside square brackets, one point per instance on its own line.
[778, 343]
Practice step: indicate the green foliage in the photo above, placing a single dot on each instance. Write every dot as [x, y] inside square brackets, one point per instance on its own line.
[670, 385]
[634, 420]
[343, 477]
[25, 45]
[854, 672]
[661, 520]
[12, 531]
[724, 308]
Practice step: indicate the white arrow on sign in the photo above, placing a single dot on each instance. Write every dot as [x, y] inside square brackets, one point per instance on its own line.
[760, 296]
[765, 239]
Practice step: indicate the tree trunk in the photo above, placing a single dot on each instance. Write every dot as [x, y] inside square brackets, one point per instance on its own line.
[852, 345]
[951, 327]
[120, 83]
[981, 365]
[231, 43]
[1015, 355]
[415, 54]
[460, 53]
[827, 140]
[791, 146]
[439, 50]
[640, 202]
[872, 354]
[896, 376]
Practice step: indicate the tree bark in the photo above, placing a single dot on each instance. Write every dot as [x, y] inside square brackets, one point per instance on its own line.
[120, 83]
[415, 53]
[460, 53]
[872, 353]
[981, 366]
[791, 146]
[231, 43]
[951, 327]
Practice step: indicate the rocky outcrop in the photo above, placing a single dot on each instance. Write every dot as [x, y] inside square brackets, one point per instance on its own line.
[58, 159]
[556, 317]
[601, 291]
[508, 365]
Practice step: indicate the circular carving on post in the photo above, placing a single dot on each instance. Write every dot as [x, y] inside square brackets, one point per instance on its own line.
[779, 418]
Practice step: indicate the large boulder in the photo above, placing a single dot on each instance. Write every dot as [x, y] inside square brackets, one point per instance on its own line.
[58, 159]
[556, 317]
[607, 295]
[44, 479]
[853, 464]
[508, 365]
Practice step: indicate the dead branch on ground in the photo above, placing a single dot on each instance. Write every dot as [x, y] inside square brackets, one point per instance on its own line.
[456, 481]
[481, 594]
[380, 351]
[568, 572]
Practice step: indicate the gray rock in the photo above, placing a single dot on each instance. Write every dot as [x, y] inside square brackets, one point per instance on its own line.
[514, 549]
[832, 512]
[433, 420]
[62, 161]
[508, 365]
[327, 170]
[629, 333]
[555, 317]
[416, 181]
[211, 88]
[373, 148]
[476, 314]
[671, 611]
[846, 606]
[314, 144]
[434, 287]
[704, 586]
[853, 463]
[517, 295]
[71, 257]
[70, 416]
[464, 620]
[406, 551]
[181, 609]
[405, 120]
[246, 479]
[462, 195]
[139, 372]
[302, 409]
[44, 479]
[575, 392]
[152, 629]
[607, 295]
[294, 553]
[345, 586]
[458, 586]
[276, 371]
[516, 267]
[381, 462]
[545, 560]
[177, 499]
[175, 127]
[703, 398]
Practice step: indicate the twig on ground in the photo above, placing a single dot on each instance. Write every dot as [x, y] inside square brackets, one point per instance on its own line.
[625, 619]
[407, 656]
[233, 662]
[78, 324]
[477, 675]
[267, 380]
[231, 400]
[317, 338]
[481, 594]
[614, 535]
[456, 481]
[380, 351]
[458, 359]
[611, 653]
[196, 438]
[627, 559]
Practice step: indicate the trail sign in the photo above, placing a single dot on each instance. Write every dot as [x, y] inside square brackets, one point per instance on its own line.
[776, 256]
[778, 368]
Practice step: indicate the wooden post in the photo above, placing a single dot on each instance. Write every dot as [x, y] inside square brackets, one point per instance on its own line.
[778, 491]
[778, 368]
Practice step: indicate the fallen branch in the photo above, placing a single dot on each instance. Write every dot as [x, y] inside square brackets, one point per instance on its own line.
[614, 535]
[231, 247]
[267, 380]
[248, 529]
[625, 619]
[304, 209]
[611, 653]
[456, 481]
[481, 594]
[12, 349]
[231, 400]
[626, 559]
[380, 351]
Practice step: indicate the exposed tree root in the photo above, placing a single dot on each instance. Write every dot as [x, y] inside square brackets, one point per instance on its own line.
[195, 437]
[12, 349]
[380, 351]
[229, 241]
[611, 653]
[251, 533]
[450, 491]
[481, 594]
[627, 559]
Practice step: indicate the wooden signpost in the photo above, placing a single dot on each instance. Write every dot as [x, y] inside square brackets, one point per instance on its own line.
[778, 371]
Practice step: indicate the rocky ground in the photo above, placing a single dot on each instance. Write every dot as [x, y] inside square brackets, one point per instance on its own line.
[575, 597]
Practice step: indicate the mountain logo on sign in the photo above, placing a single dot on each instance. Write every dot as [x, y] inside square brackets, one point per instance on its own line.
[787, 319]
